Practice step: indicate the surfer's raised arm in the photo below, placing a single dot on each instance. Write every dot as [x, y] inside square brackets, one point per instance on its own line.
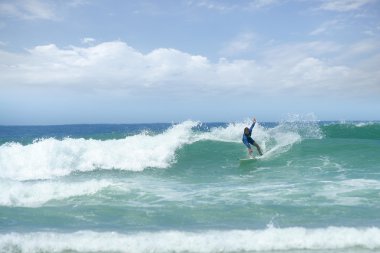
[253, 124]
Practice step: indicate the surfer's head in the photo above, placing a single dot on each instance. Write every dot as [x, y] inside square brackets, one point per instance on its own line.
[246, 131]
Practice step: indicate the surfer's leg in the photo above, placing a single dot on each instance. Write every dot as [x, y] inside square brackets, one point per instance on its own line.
[258, 148]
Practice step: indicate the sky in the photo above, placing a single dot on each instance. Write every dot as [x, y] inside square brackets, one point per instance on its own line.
[116, 61]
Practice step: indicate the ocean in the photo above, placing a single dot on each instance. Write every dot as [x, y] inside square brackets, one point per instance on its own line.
[180, 187]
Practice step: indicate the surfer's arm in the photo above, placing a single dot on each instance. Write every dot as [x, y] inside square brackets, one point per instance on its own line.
[253, 124]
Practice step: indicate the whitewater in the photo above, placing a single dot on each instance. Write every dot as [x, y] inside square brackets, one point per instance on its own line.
[181, 188]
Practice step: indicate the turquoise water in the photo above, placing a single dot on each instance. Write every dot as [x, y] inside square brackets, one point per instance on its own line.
[181, 188]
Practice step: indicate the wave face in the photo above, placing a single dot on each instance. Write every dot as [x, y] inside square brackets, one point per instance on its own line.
[181, 188]
[48, 158]
[353, 130]
[51, 157]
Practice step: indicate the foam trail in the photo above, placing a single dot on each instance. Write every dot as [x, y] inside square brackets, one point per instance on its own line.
[293, 130]
[49, 158]
[270, 239]
[35, 194]
[350, 192]
[276, 141]
[273, 141]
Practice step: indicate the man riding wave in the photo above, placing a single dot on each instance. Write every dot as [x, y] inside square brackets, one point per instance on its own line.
[248, 141]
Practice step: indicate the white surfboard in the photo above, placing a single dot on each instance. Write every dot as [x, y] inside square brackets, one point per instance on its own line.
[248, 160]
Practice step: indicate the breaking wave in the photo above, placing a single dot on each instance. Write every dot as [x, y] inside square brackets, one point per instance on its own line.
[270, 239]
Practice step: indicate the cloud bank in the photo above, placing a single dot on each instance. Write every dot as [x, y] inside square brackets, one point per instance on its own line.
[344, 5]
[32, 9]
[37, 9]
[298, 68]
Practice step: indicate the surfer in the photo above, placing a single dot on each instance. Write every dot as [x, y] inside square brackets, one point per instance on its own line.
[247, 139]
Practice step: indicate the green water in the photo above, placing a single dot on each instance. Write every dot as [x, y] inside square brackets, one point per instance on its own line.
[183, 189]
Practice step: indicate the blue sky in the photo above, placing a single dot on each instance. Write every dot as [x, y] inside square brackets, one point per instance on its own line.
[82, 61]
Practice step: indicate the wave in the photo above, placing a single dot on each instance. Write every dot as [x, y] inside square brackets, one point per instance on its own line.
[270, 239]
[36, 194]
[49, 158]
[353, 130]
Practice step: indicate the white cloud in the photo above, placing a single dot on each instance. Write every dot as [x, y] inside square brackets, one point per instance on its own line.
[37, 9]
[231, 5]
[326, 27]
[88, 40]
[261, 3]
[364, 47]
[301, 68]
[242, 43]
[27, 9]
[76, 3]
[344, 5]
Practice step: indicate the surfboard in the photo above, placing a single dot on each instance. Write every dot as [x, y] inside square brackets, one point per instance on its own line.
[247, 160]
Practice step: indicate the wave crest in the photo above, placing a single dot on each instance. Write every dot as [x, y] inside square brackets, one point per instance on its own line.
[48, 158]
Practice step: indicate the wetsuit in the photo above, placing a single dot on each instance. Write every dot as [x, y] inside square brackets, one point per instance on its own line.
[247, 139]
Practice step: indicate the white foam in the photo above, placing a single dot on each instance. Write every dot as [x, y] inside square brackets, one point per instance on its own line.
[49, 158]
[364, 124]
[277, 142]
[351, 192]
[287, 132]
[37, 193]
[231, 133]
[270, 239]
[273, 141]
